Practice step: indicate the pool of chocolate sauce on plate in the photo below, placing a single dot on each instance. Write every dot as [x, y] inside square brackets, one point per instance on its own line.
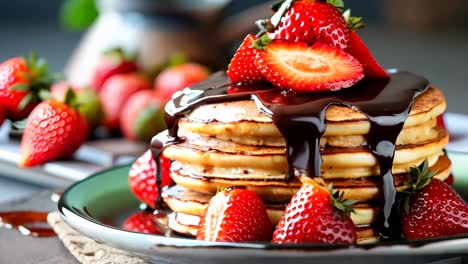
[23, 221]
[301, 120]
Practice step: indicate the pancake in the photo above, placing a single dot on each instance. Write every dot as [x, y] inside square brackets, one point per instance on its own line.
[281, 191]
[188, 225]
[182, 200]
[243, 118]
[409, 135]
[206, 157]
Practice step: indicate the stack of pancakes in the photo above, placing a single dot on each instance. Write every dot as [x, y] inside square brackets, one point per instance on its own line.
[234, 144]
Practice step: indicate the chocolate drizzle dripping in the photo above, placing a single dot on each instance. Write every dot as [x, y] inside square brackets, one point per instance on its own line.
[301, 120]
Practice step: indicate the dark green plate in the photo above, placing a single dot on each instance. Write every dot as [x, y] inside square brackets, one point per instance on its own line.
[98, 205]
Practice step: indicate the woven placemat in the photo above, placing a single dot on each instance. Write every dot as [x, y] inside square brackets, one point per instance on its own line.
[86, 250]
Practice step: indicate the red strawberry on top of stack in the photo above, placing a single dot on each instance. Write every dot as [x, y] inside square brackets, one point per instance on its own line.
[313, 48]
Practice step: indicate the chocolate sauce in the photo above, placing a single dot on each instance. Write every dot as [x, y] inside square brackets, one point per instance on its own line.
[23, 220]
[301, 120]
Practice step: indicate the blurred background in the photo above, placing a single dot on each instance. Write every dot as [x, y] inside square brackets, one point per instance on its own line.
[425, 36]
[429, 37]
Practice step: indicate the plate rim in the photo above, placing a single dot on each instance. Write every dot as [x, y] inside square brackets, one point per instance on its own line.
[65, 208]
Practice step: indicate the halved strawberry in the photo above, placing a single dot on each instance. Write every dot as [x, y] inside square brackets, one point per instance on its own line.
[304, 68]
[358, 49]
[242, 68]
[235, 215]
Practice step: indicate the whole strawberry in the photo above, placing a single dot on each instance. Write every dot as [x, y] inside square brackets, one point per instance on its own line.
[311, 21]
[235, 215]
[314, 215]
[358, 50]
[141, 222]
[21, 81]
[142, 178]
[113, 62]
[142, 117]
[242, 68]
[54, 130]
[115, 93]
[431, 208]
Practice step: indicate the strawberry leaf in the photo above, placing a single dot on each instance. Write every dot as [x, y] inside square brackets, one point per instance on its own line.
[23, 87]
[354, 23]
[262, 42]
[45, 95]
[339, 4]
[71, 99]
[337, 201]
[420, 177]
[120, 54]
[26, 100]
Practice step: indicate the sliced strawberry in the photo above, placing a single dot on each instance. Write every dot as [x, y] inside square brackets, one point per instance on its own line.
[358, 49]
[304, 68]
[242, 68]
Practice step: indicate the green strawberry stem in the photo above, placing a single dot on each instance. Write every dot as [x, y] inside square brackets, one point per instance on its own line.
[262, 42]
[420, 177]
[119, 53]
[354, 23]
[339, 202]
[38, 79]
[336, 197]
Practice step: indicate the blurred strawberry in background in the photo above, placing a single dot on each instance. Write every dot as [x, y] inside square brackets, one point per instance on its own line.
[115, 93]
[88, 102]
[21, 82]
[142, 116]
[112, 62]
[177, 78]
